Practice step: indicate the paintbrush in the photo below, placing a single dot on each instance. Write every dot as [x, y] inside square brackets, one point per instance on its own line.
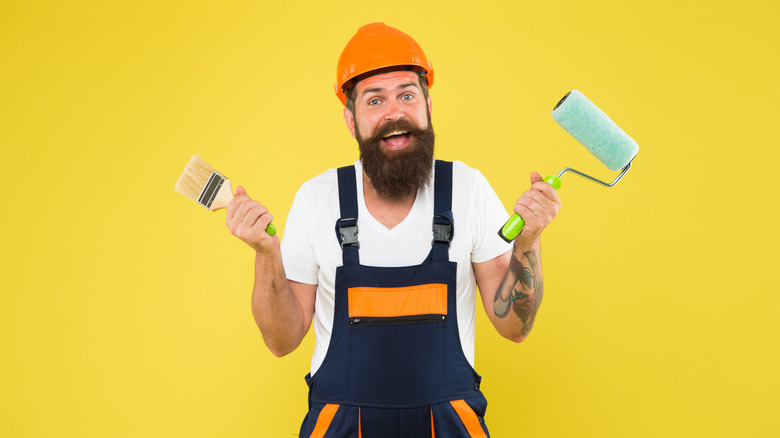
[209, 188]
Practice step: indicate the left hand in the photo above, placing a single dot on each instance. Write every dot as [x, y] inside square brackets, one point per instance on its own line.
[538, 206]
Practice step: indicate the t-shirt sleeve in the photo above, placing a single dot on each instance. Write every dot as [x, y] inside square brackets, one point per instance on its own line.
[488, 216]
[297, 252]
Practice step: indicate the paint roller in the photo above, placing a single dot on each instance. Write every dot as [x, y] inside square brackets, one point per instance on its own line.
[594, 130]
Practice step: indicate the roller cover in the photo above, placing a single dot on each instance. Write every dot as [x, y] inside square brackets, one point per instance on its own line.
[595, 130]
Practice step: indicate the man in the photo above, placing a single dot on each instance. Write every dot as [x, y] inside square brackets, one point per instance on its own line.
[393, 302]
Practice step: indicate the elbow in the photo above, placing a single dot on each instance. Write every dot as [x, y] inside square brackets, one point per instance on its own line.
[516, 338]
[511, 332]
[279, 349]
[279, 352]
[517, 335]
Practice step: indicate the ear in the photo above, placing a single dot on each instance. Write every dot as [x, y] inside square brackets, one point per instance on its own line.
[430, 105]
[349, 119]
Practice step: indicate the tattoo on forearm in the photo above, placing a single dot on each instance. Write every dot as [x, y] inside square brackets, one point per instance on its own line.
[521, 291]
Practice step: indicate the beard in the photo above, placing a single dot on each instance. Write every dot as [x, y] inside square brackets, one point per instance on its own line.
[398, 173]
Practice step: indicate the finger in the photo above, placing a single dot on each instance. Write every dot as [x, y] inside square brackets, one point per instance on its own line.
[245, 208]
[524, 210]
[533, 199]
[254, 228]
[536, 219]
[239, 198]
[263, 221]
[539, 204]
[535, 177]
[241, 207]
[544, 196]
[546, 189]
[253, 215]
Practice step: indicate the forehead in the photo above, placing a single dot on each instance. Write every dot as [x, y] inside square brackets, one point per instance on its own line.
[387, 81]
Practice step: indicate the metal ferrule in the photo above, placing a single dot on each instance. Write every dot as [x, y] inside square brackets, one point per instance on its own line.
[211, 189]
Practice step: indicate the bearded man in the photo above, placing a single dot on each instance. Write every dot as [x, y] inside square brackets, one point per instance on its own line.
[384, 258]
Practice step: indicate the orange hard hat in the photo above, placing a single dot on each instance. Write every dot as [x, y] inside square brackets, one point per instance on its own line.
[378, 46]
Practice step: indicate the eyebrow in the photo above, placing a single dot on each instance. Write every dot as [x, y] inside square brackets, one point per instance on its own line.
[378, 89]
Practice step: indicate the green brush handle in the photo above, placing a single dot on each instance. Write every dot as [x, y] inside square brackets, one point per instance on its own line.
[270, 229]
[515, 224]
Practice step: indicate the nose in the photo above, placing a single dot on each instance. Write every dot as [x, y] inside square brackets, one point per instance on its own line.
[394, 111]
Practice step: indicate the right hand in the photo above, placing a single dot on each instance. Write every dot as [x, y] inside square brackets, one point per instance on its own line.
[247, 219]
[538, 207]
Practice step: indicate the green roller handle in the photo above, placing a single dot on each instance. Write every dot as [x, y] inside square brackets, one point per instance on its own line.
[270, 229]
[515, 224]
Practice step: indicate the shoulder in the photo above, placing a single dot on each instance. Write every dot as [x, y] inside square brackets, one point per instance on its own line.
[466, 178]
[318, 187]
[325, 179]
[473, 194]
[463, 170]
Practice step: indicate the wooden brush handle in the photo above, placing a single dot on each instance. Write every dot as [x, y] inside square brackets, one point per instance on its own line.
[224, 195]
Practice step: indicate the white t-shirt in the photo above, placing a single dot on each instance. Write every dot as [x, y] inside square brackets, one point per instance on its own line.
[311, 251]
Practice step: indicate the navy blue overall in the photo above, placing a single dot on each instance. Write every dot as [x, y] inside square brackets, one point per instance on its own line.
[395, 366]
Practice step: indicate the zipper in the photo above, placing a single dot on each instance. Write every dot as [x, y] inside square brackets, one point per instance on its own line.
[394, 320]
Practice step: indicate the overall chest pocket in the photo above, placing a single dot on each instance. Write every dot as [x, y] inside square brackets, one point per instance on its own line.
[398, 344]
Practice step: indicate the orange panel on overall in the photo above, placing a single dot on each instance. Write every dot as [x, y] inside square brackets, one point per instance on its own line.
[423, 299]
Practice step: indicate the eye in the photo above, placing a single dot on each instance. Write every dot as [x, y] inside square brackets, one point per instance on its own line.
[373, 102]
[407, 96]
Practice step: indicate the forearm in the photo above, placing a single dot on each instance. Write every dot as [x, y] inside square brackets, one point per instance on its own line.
[276, 311]
[519, 295]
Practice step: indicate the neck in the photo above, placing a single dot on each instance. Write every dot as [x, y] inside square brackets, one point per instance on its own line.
[388, 211]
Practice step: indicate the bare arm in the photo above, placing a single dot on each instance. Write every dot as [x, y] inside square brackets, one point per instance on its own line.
[283, 309]
[511, 285]
[511, 301]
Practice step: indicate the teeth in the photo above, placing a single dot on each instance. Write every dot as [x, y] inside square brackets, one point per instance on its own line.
[395, 133]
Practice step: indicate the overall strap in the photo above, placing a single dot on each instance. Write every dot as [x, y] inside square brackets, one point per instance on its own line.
[346, 226]
[443, 221]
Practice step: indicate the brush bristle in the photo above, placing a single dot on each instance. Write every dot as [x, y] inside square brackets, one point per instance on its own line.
[194, 178]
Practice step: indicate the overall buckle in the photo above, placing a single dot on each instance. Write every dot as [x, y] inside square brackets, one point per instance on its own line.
[348, 232]
[442, 230]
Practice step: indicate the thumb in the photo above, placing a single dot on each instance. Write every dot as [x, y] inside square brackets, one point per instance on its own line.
[240, 191]
[535, 177]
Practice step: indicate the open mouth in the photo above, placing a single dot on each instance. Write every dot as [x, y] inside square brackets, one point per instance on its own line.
[396, 140]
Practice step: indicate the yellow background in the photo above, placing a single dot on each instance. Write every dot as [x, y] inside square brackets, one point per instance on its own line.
[125, 306]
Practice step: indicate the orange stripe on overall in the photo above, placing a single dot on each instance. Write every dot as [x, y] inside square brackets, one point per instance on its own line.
[469, 418]
[400, 301]
[323, 421]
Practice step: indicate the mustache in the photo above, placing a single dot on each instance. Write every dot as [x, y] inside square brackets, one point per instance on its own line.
[393, 126]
